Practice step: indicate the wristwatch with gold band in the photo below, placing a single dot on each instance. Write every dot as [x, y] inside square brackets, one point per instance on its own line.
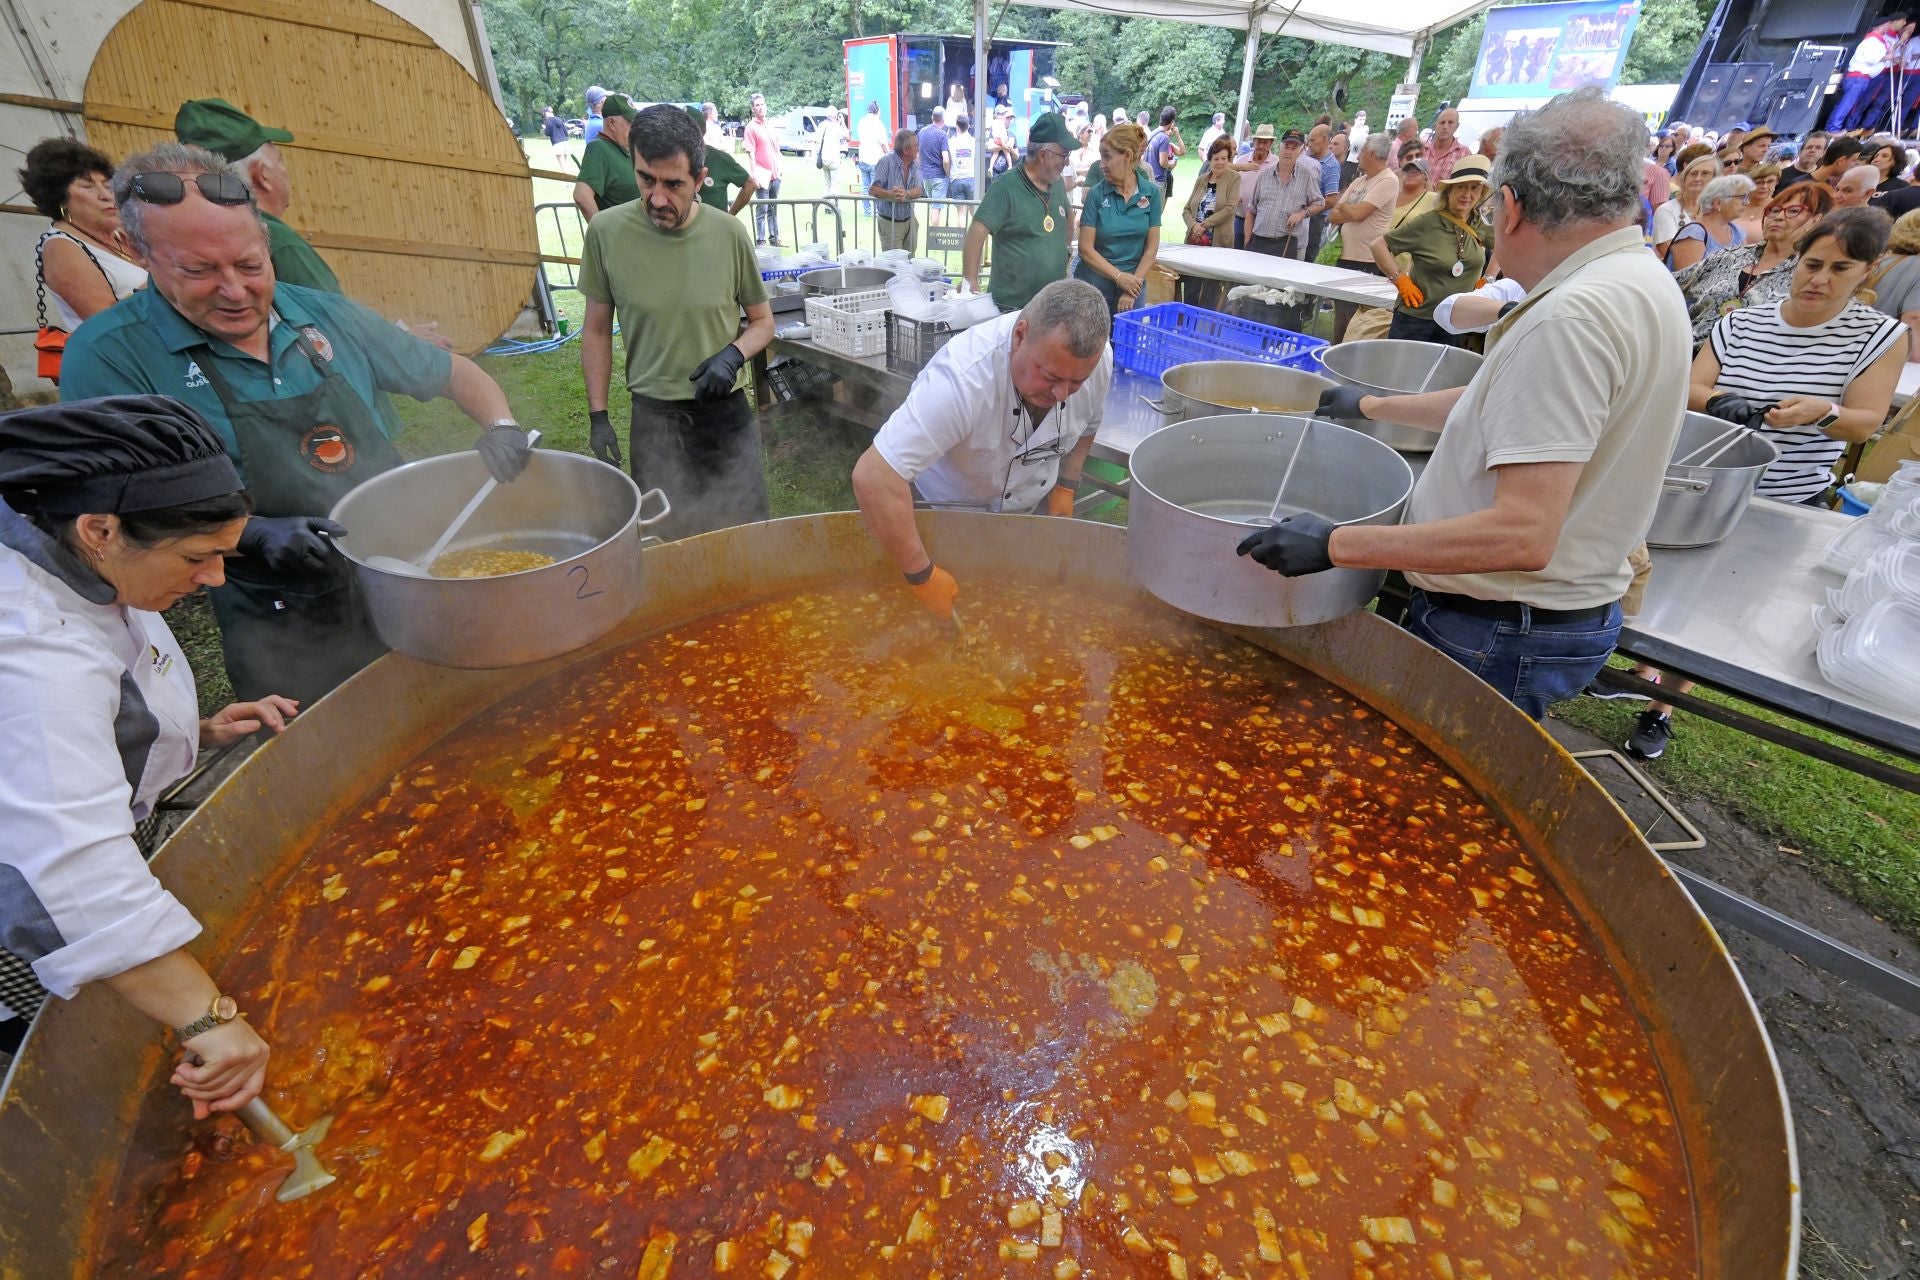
[222, 1011]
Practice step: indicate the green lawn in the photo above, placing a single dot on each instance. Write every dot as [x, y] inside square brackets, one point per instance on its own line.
[1862, 837]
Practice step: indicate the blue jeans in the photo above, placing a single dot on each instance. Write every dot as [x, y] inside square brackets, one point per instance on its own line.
[960, 189]
[766, 218]
[866, 183]
[1531, 664]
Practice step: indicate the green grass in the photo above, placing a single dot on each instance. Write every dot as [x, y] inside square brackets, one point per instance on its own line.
[1860, 836]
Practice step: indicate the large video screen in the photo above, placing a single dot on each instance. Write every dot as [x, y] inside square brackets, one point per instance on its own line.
[1537, 50]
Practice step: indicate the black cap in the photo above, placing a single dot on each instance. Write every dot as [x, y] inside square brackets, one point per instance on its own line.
[1292, 135]
[113, 455]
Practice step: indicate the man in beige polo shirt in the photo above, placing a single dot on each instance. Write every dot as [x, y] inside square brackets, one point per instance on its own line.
[1365, 209]
[1549, 462]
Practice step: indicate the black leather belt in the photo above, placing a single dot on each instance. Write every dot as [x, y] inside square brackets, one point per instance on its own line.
[1511, 610]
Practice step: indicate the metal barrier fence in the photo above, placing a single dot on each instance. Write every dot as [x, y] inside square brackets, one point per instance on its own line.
[835, 221]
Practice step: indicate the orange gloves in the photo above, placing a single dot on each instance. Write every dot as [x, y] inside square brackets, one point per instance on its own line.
[1410, 293]
[1060, 500]
[936, 591]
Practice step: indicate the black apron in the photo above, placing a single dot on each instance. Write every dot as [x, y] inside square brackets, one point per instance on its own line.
[298, 634]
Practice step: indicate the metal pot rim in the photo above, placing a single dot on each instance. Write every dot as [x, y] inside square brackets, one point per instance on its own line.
[419, 465]
[1220, 524]
[1320, 355]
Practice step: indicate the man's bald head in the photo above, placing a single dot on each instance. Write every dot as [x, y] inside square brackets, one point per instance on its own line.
[1856, 185]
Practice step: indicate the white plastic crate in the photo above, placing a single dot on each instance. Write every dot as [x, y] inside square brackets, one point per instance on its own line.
[854, 324]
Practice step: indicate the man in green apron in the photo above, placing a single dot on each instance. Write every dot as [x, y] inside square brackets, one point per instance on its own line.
[289, 378]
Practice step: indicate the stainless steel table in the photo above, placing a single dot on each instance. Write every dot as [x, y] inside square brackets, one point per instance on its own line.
[1739, 616]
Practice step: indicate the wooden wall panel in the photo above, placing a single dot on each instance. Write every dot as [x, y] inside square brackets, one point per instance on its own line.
[405, 176]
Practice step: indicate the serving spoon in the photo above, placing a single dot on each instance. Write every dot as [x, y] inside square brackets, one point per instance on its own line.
[419, 568]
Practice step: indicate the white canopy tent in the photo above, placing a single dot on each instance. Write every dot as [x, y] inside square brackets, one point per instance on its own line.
[1399, 27]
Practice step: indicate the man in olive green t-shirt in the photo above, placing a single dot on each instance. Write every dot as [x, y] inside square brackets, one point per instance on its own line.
[723, 171]
[1025, 210]
[679, 274]
[606, 166]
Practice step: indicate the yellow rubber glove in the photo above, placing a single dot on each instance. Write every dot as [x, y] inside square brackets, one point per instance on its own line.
[1060, 500]
[937, 593]
[1410, 293]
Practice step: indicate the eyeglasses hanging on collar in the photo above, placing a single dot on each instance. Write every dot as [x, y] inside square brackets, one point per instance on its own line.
[1026, 451]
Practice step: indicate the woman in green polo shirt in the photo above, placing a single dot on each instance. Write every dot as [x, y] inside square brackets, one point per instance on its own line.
[1447, 248]
[1120, 221]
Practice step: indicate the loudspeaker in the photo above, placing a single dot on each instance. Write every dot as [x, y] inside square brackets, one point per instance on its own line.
[1791, 105]
[1818, 63]
[1729, 93]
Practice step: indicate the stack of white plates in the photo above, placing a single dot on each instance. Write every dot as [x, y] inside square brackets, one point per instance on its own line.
[1895, 517]
[1891, 572]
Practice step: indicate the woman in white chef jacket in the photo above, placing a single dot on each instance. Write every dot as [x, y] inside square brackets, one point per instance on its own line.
[111, 510]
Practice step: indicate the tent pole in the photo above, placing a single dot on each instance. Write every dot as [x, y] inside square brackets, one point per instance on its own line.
[1254, 17]
[982, 122]
[1414, 56]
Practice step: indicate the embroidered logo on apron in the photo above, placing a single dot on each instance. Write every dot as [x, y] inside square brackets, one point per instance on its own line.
[162, 662]
[321, 347]
[325, 448]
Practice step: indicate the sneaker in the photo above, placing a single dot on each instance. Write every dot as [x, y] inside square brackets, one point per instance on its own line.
[1651, 733]
[1612, 692]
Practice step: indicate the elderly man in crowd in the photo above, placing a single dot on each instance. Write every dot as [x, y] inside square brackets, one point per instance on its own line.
[1812, 147]
[1286, 194]
[1490, 142]
[233, 135]
[1549, 463]
[1856, 187]
[1320, 152]
[595, 96]
[1445, 150]
[679, 276]
[1361, 217]
[1408, 131]
[1260, 157]
[1026, 214]
[606, 166]
[896, 181]
[1000, 420]
[289, 377]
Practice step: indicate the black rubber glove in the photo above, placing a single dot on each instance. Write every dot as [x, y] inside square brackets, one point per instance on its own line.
[714, 378]
[1738, 409]
[290, 544]
[1294, 547]
[601, 439]
[505, 451]
[1340, 402]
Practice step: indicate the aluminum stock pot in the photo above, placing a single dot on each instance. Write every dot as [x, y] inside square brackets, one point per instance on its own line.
[829, 280]
[1397, 367]
[1203, 388]
[1201, 486]
[1709, 482]
[582, 512]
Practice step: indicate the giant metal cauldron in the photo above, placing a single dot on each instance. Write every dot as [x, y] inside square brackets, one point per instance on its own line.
[66, 1116]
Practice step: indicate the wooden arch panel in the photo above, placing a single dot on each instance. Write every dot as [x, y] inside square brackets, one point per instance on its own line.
[405, 175]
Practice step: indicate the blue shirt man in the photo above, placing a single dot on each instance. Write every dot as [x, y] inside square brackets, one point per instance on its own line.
[595, 96]
[933, 155]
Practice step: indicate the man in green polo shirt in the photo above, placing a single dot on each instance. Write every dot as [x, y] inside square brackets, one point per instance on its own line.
[289, 378]
[723, 171]
[233, 135]
[679, 274]
[606, 167]
[1025, 210]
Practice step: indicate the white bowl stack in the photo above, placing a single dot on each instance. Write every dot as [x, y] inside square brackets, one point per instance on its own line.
[1870, 626]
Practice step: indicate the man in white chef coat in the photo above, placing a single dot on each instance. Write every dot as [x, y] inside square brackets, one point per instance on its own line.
[1000, 420]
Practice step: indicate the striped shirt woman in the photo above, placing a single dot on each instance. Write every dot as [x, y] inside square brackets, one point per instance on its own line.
[1765, 359]
[1815, 371]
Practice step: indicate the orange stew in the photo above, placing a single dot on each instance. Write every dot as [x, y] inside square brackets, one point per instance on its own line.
[807, 939]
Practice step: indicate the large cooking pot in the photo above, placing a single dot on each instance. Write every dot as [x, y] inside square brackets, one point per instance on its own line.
[1203, 388]
[1701, 501]
[845, 280]
[582, 512]
[1397, 367]
[1201, 486]
[86, 1065]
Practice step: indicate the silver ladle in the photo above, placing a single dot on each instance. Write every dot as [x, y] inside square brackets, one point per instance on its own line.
[418, 568]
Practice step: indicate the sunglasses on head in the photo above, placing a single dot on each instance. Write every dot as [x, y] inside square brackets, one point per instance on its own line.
[171, 188]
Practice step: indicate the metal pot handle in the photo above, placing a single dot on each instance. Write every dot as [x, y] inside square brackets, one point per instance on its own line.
[1678, 484]
[1158, 406]
[666, 508]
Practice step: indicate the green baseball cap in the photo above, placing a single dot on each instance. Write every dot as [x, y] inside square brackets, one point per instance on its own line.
[1051, 127]
[222, 128]
[616, 104]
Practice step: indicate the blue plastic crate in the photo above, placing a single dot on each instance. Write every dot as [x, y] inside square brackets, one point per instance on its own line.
[789, 273]
[1152, 340]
